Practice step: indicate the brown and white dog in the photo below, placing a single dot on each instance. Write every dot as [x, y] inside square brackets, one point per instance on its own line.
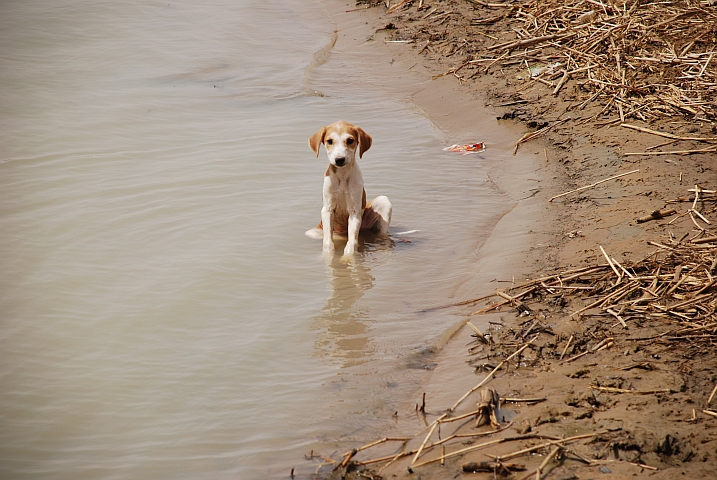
[345, 211]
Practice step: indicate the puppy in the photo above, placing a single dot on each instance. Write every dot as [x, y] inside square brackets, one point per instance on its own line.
[345, 210]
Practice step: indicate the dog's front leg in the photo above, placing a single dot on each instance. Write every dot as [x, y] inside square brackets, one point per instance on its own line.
[354, 226]
[327, 229]
[327, 214]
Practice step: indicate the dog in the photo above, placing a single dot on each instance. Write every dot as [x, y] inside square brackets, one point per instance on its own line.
[345, 211]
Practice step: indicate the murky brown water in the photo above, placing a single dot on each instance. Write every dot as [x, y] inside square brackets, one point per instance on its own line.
[162, 314]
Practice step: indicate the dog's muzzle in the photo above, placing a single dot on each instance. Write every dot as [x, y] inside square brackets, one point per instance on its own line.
[340, 161]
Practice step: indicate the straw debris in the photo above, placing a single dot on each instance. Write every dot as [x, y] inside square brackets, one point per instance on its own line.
[637, 59]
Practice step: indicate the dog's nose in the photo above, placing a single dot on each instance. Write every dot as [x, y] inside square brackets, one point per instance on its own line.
[340, 161]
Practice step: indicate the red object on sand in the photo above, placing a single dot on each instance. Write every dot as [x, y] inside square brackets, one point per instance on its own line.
[467, 148]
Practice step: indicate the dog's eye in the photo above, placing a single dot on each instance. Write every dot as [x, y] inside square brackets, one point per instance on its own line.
[349, 141]
[329, 142]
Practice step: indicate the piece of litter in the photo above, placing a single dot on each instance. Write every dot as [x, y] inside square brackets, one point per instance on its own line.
[467, 148]
[406, 232]
[538, 70]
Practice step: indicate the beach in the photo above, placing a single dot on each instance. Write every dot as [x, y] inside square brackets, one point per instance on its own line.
[589, 352]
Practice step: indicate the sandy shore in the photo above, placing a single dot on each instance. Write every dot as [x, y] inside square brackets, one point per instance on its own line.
[633, 384]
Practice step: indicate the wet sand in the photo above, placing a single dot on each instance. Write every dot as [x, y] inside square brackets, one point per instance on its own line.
[630, 433]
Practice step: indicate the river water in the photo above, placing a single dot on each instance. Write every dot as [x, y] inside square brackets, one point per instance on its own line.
[162, 314]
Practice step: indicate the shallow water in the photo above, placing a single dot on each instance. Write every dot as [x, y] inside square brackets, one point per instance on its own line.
[162, 314]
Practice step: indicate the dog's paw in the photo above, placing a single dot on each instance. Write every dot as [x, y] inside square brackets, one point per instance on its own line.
[347, 259]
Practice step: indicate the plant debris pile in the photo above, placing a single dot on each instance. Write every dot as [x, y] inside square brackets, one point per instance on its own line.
[639, 59]
[676, 284]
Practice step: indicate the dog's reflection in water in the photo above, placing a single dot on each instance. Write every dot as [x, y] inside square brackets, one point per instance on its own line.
[344, 323]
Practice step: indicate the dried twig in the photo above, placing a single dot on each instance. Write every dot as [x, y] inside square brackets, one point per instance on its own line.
[490, 375]
[530, 136]
[636, 392]
[592, 185]
[543, 445]
[676, 152]
[709, 400]
[544, 464]
[656, 215]
[668, 135]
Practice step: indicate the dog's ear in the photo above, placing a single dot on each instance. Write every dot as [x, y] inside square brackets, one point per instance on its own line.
[364, 141]
[316, 140]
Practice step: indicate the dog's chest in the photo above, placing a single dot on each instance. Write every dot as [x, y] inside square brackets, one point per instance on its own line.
[344, 195]
[340, 218]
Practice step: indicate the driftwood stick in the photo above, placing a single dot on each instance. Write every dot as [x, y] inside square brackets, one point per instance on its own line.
[656, 215]
[709, 400]
[545, 462]
[490, 307]
[457, 304]
[705, 240]
[566, 347]
[490, 375]
[523, 400]
[528, 41]
[395, 7]
[668, 135]
[605, 343]
[479, 334]
[588, 461]
[547, 444]
[520, 306]
[384, 440]
[391, 462]
[614, 269]
[577, 356]
[593, 184]
[458, 452]
[505, 302]
[529, 136]
[588, 307]
[642, 465]
[625, 270]
[347, 459]
[556, 280]
[425, 440]
[482, 445]
[460, 417]
[392, 458]
[491, 5]
[485, 70]
[636, 392]
[490, 467]
[701, 216]
[675, 152]
[561, 82]
[619, 318]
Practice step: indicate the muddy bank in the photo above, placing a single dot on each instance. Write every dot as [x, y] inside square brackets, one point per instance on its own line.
[596, 333]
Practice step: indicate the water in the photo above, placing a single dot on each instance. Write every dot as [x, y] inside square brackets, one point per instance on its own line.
[162, 314]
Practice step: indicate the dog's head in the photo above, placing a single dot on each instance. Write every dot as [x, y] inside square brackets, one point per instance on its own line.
[341, 140]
